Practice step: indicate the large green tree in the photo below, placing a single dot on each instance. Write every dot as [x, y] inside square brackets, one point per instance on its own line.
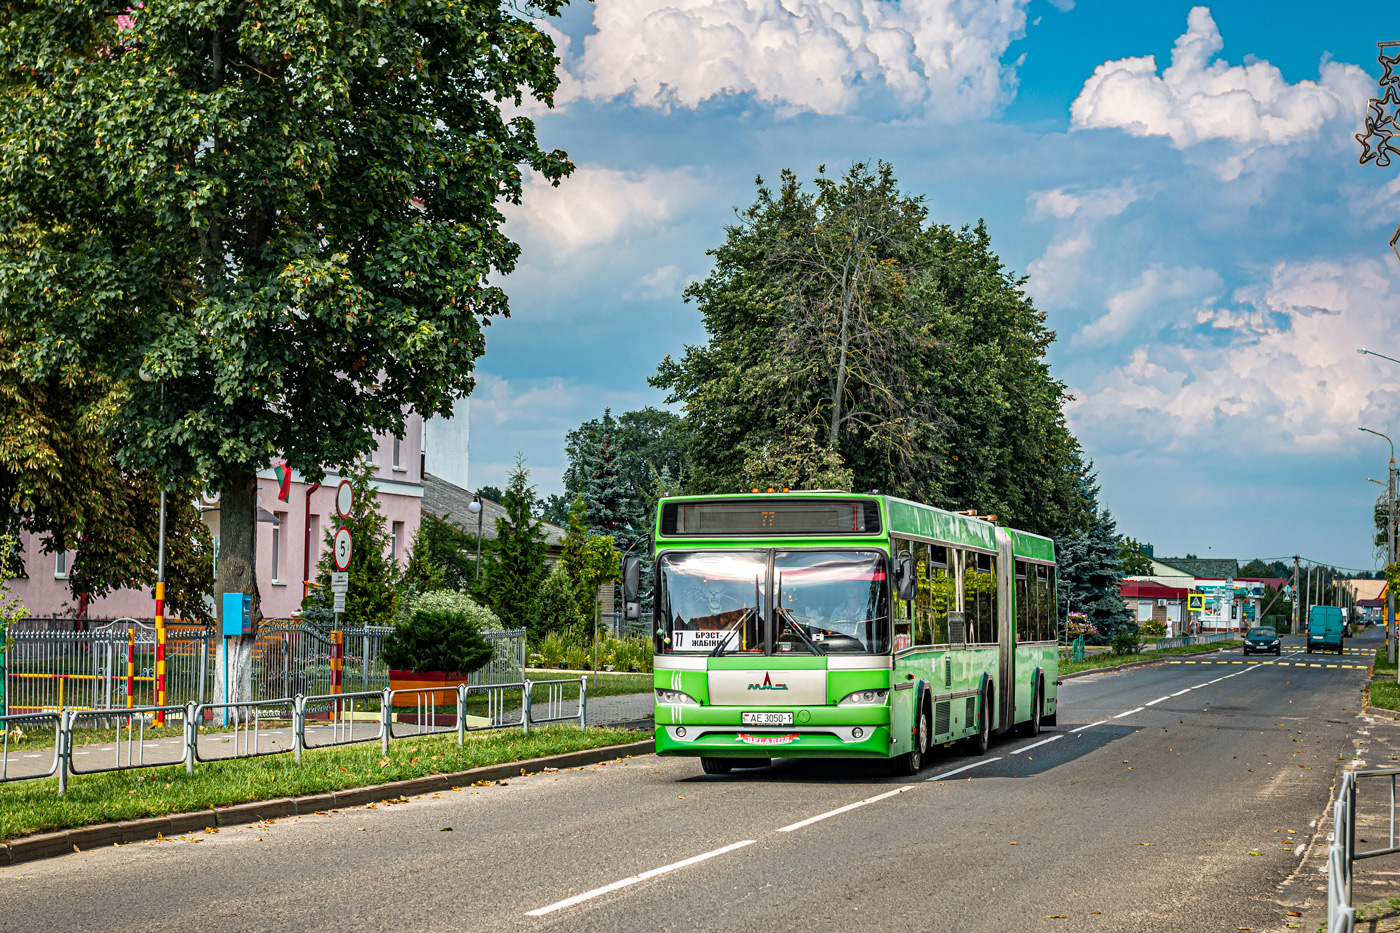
[286, 213]
[62, 481]
[854, 343]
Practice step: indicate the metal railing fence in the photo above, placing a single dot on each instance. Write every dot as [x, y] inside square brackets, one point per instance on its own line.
[303, 722]
[134, 746]
[341, 711]
[1342, 854]
[557, 698]
[11, 730]
[1181, 641]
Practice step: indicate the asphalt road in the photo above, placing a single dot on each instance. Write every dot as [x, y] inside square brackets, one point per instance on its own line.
[1163, 801]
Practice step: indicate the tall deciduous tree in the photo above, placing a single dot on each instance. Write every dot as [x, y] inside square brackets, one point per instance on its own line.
[62, 481]
[852, 343]
[285, 213]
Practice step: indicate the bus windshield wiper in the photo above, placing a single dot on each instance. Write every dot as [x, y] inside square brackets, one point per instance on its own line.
[749, 612]
[796, 626]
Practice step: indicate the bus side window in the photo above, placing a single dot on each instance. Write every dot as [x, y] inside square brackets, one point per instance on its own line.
[923, 600]
[904, 609]
[993, 616]
[1025, 630]
[941, 598]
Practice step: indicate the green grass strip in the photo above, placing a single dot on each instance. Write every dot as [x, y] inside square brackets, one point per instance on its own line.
[1383, 665]
[1108, 659]
[1385, 694]
[34, 806]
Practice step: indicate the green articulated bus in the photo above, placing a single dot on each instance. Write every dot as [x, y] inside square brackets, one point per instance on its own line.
[838, 625]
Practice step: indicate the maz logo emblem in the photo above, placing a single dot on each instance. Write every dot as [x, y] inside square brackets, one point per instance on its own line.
[767, 684]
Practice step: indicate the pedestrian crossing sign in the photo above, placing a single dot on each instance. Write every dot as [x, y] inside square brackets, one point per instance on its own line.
[1195, 602]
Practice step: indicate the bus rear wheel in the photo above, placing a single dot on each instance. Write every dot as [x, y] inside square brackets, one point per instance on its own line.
[1032, 727]
[716, 765]
[979, 743]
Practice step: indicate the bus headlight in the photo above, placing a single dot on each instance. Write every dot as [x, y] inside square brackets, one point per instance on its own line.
[865, 698]
[675, 698]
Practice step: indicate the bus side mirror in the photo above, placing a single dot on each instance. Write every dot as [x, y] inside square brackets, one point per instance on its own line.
[906, 582]
[631, 588]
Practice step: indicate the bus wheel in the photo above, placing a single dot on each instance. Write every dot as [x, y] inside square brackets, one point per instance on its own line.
[980, 742]
[1032, 727]
[912, 761]
[716, 765]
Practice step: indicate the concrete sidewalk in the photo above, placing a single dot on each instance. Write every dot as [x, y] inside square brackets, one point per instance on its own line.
[1375, 739]
[632, 709]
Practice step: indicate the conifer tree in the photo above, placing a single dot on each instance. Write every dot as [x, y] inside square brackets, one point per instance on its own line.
[1089, 569]
[609, 505]
[513, 567]
[372, 597]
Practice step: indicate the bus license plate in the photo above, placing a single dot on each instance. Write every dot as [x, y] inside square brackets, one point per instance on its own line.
[767, 719]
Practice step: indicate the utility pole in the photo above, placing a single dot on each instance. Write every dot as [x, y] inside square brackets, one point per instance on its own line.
[1390, 551]
[1297, 623]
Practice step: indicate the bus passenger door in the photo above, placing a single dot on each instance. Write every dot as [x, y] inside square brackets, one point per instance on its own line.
[1006, 635]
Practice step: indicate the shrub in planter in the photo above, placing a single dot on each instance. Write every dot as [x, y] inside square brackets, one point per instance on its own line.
[1153, 629]
[435, 639]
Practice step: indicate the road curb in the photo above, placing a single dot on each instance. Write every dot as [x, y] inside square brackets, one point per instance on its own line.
[77, 839]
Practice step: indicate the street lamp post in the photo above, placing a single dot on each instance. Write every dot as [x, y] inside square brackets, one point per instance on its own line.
[476, 507]
[1389, 537]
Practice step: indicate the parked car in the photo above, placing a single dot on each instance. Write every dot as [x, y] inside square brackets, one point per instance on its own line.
[1262, 639]
[1326, 629]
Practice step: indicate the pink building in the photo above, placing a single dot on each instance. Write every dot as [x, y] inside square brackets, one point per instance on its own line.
[291, 536]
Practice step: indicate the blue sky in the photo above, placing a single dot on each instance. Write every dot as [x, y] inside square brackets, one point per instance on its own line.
[1180, 182]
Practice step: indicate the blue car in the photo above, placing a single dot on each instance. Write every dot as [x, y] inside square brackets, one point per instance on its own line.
[1262, 638]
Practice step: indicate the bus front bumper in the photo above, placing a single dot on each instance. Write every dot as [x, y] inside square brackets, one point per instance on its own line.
[816, 732]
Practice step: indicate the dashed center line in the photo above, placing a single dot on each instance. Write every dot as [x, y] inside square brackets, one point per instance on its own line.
[625, 882]
[975, 764]
[846, 809]
[1026, 748]
[1129, 712]
[1090, 725]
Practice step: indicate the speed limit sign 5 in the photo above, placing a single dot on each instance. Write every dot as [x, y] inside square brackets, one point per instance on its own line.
[343, 548]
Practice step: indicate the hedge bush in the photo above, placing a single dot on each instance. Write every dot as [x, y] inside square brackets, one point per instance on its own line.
[434, 639]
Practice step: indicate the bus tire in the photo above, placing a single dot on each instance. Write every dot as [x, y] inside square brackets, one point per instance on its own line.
[979, 743]
[912, 761]
[1032, 726]
[716, 765]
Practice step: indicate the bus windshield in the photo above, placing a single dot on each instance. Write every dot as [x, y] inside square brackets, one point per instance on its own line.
[718, 602]
[712, 601]
[836, 599]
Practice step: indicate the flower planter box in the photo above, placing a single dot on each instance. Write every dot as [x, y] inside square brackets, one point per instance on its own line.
[407, 680]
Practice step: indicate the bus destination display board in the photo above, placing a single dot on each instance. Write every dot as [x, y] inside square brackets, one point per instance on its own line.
[717, 517]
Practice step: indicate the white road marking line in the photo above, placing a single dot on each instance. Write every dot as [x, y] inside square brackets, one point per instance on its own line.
[1036, 744]
[31, 756]
[1180, 692]
[848, 807]
[625, 882]
[1156, 701]
[1129, 712]
[948, 774]
[1090, 725]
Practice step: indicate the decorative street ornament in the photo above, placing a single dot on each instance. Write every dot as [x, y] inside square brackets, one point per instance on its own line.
[1382, 128]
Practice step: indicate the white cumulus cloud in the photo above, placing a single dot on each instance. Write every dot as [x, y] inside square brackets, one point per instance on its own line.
[942, 57]
[1199, 97]
[596, 205]
[1157, 290]
[1058, 274]
[1286, 378]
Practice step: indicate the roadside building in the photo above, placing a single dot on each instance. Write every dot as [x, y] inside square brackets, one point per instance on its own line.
[291, 535]
[1151, 601]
